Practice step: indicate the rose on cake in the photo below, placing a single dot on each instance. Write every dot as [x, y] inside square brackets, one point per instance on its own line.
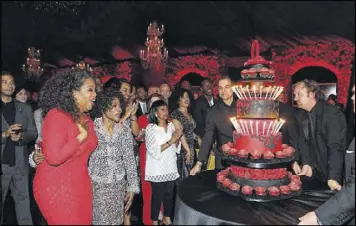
[261, 191]
[234, 187]
[268, 155]
[247, 190]
[288, 151]
[285, 189]
[273, 191]
[280, 155]
[294, 187]
[256, 154]
[227, 182]
[233, 151]
[243, 153]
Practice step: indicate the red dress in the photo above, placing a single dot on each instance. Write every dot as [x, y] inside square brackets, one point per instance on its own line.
[146, 186]
[62, 186]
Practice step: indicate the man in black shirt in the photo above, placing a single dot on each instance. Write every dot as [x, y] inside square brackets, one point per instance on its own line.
[322, 140]
[17, 130]
[218, 125]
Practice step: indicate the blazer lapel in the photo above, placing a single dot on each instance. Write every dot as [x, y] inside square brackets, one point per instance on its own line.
[19, 114]
[4, 124]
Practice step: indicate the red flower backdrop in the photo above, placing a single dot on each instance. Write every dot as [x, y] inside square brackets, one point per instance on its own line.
[207, 66]
[336, 56]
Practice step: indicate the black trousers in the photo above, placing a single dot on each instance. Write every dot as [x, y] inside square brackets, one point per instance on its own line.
[162, 191]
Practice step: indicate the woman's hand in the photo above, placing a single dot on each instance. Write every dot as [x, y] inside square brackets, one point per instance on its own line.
[83, 133]
[176, 135]
[38, 156]
[128, 200]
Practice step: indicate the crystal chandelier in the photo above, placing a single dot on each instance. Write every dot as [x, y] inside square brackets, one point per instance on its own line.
[32, 68]
[155, 52]
[83, 66]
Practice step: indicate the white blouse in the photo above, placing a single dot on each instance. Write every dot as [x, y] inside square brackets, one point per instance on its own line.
[161, 166]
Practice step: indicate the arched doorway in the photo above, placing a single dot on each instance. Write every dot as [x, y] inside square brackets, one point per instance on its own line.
[326, 79]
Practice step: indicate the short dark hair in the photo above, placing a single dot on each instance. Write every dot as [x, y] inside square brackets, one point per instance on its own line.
[176, 95]
[312, 87]
[152, 112]
[6, 73]
[112, 82]
[104, 101]
[141, 86]
[225, 77]
[205, 79]
[332, 97]
[58, 92]
[154, 95]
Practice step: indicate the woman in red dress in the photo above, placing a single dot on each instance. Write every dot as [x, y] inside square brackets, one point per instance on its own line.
[62, 186]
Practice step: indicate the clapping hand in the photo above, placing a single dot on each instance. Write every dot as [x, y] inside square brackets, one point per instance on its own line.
[38, 156]
[83, 133]
[334, 185]
[306, 171]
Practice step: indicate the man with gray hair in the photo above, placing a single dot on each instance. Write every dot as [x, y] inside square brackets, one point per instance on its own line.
[322, 140]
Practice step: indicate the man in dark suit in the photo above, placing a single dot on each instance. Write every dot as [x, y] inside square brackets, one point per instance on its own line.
[323, 145]
[17, 130]
[202, 104]
[340, 209]
[218, 125]
[142, 100]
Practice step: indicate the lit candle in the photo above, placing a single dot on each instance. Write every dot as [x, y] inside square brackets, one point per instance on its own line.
[261, 87]
[268, 89]
[275, 125]
[235, 91]
[257, 127]
[254, 91]
[234, 123]
[239, 91]
[246, 126]
[251, 127]
[243, 92]
[248, 91]
[269, 126]
[242, 126]
[282, 121]
[263, 128]
[274, 87]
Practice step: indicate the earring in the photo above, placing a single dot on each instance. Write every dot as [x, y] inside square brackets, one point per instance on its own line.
[156, 116]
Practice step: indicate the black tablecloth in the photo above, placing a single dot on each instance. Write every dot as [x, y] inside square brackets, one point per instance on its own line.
[199, 202]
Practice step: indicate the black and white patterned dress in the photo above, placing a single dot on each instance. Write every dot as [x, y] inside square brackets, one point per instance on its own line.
[188, 131]
[113, 171]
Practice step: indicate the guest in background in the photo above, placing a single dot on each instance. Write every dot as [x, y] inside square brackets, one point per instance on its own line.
[99, 85]
[17, 131]
[340, 209]
[142, 100]
[340, 106]
[62, 186]
[153, 89]
[185, 84]
[166, 92]
[21, 94]
[112, 160]
[162, 143]
[180, 102]
[324, 142]
[332, 99]
[202, 104]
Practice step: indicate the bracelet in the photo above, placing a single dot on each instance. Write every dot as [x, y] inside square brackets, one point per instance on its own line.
[168, 143]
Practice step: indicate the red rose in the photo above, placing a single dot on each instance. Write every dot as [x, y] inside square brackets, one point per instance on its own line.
[226, 148]
[260, 191]
[247, 175]
[273, 191]
[284, 146]
[247, 190]
[230, 144]
[221, 178]
[295, 178]
[288, 151]
[290, 174]
[241, 174]
[235, 187]
[284, 189]
[225, 172]
[242, 153]
[294, 187]
[280, 154]
[268, 155]
[233, 151]
[255, 154]
[227, 182]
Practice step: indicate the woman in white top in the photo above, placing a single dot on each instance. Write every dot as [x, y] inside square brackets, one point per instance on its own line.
[162, 144]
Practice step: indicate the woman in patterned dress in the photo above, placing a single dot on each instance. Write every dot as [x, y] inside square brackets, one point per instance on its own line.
[180, 103]
[112, 160]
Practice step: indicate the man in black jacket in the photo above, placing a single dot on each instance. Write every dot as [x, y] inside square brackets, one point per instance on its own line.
[202, 104]
[322, 140]
[340, 209]
[218, 125]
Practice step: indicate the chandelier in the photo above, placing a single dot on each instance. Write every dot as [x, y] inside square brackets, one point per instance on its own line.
[83, 66]
[155, 52]
[32, 68]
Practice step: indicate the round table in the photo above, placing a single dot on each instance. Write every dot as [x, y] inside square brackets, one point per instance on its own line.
[199, 202]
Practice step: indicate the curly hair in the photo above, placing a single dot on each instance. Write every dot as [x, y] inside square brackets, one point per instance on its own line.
[104, 102]
[175, 97]
[58, 92]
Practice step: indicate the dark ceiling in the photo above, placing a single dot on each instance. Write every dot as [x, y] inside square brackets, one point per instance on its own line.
[225, 26]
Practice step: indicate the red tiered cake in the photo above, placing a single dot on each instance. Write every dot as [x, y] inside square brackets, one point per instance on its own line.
[257, 157]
